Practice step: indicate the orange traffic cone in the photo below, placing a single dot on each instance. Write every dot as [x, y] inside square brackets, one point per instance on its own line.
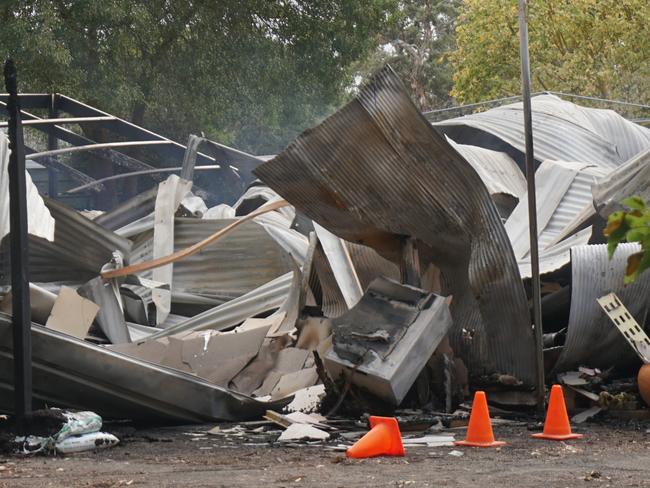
[479, 430]
[556, 426]
[384, 439]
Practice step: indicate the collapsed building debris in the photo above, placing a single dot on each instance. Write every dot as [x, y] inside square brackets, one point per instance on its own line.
[375, 173]
[399, 263]
[591, 339]
[384, 342]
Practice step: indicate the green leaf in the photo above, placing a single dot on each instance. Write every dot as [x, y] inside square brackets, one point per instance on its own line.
[614, 221]
[632, 268]
[637, 234]
[611, 248]
[645, 262]
[636, 264]
[635, 203]
[616, 230]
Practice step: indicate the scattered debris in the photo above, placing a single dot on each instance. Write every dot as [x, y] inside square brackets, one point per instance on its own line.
[394, 275]
[586, 414]
[384, 342]
[297, 431]
[80, 431]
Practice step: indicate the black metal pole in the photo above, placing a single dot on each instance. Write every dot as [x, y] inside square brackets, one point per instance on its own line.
[21, 310]
[52, 143]
[532, 203]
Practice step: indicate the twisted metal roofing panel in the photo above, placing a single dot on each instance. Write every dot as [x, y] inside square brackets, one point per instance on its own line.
[234, 265]
[561, 131]
[632, 178]
[499, 172]
[376, 171]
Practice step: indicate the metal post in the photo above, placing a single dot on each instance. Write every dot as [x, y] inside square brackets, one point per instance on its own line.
[532, 203]
[52, 143]
[21, 311]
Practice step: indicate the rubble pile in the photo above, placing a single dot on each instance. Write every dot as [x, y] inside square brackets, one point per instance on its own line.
[379, 259]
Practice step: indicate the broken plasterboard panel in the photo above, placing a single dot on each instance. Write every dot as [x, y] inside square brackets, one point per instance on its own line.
[304, 418]
[272, 321]
[39, 219]
[307, 400]
[214, 356]
[313, 331]
[72, 314]
[630, 328]
[296, 432]
[288, 360]
[429, 441]
[254, 374]
[219, 356]
[291, 382]
[572, 378]
[173, 356]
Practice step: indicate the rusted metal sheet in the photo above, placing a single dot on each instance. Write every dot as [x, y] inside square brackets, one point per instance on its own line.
[377, 171]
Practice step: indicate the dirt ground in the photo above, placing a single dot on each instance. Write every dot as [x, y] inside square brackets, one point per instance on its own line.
[182, 456]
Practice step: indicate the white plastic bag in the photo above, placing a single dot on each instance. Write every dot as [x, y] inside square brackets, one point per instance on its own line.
[86, 442]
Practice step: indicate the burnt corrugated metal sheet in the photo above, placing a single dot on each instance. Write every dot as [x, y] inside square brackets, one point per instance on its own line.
[77, 254]
[561, 131]
[499, 172]
[369, 265]
[279, 228]
[332, 300]
[556, 256]
[236, 264]
[377, 171]
[563, 195]
[576, 200]
[129, 211]
[268, 297]
[592, 340]
[632, 178]
[72, 373]
[629, 138]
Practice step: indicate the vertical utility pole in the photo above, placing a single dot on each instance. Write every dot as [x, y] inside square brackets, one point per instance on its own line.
[532, 203]
[21, 310]
[52, 143]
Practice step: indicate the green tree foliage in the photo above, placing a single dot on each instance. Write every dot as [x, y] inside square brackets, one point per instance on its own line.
[251, 73]
[415, 40]
[591, 47]
[631, 225]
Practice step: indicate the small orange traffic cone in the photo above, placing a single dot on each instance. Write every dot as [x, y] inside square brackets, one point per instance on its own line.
[479, 430]
[384, 439]
[556, 426]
